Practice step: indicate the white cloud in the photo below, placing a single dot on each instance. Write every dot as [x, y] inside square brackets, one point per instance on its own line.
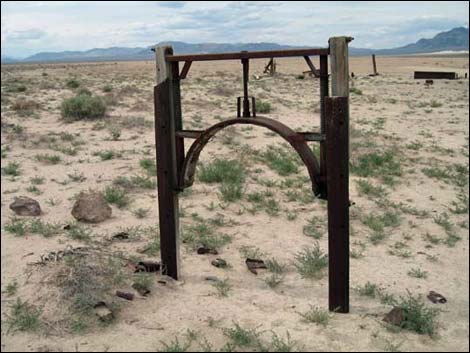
[29, 27]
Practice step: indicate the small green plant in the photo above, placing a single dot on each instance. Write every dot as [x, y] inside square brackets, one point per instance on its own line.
[369, 290]
[231, 192]
[84, 91]
[311, 262]
[280, 160]
[141, 212]
[108, 154]
[175, 346]
[72, 83]
[417, 273]
[48, 158]
[116, 196]
[82, 107]
[263, 107]
[367, 188]
[114, 133]
[418, 317]
[78, 231]
[23, 317]
[12, 169]
[222, 171]
[313, 228]
[317, 316]
[16, 226]
[223, 287]
[273, 280]
[149, 165]
[274, 266]
[355, 90]
[242, 337]
[11, 288]
[279, 344]
[107, 88]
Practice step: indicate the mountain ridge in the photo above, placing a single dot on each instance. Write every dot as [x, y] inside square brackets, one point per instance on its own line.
[456, 39]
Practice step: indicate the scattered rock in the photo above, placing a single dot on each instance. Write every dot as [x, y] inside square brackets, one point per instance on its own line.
[125, 295]
[91, 207]
[205, 250]
[25, 206]
[436, 298]
[219, 263]
[147, 266]
[121, 236]
[395, 317]
[103, 312]
[254, 265]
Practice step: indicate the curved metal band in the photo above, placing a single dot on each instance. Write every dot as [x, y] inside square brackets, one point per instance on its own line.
[294, 139]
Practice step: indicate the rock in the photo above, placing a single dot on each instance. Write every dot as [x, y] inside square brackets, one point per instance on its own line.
[219, 263]
[254, 265]
[205, 250]
[395, 317]
[436, 298]
[25, 206]
[103, 312]
[91, 207]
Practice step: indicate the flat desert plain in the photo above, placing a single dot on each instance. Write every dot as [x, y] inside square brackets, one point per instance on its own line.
[251, 198]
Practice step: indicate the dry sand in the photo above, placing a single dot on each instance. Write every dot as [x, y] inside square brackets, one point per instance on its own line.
[393, 105]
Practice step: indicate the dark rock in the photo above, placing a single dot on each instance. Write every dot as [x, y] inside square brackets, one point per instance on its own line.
[91, 207]
[205, 250]
[436, 298]
[125, 295]
[147, 266]
[25, 206]
[220, 263]
[255, 264]
[395, 317]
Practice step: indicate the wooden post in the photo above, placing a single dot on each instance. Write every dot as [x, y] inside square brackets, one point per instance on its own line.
[339, 66]
[166, 116]
[246, 102]
[374, 65]
[337, 164]
[324, 92]
[337, 152]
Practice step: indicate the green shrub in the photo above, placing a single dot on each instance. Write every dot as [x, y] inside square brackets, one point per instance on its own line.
[72, 83]
[83, 107]
[263, 107]
[222, 171]
[84, 91]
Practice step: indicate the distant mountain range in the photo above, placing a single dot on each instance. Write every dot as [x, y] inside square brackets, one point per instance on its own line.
[454, 40]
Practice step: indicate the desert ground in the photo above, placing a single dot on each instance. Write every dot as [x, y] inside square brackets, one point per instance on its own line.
[251, 198]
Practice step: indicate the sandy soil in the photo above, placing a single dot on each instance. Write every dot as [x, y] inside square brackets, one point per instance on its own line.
[393, 111]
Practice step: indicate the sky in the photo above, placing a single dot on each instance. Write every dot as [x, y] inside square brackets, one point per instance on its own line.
[29, 27]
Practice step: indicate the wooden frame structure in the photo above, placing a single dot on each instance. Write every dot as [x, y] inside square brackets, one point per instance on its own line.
[329, 175]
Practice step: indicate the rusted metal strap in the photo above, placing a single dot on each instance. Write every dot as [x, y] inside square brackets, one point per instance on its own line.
[315, 72]
[299, 144]
[311, 136]
[189, 134]
[184, 71]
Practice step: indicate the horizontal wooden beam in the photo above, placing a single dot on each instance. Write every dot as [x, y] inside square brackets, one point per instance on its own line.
[249, 55]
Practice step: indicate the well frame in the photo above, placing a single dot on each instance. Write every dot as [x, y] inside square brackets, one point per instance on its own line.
[329, 175]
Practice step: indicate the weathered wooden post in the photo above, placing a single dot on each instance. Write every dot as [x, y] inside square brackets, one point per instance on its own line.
[337, 155]
[374, 64]
[324, 92]
[169, 155]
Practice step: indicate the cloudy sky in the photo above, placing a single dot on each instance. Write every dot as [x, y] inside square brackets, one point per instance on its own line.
[31, 27]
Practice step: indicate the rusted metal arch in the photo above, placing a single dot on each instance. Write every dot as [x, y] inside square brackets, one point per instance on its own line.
[296, 140]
